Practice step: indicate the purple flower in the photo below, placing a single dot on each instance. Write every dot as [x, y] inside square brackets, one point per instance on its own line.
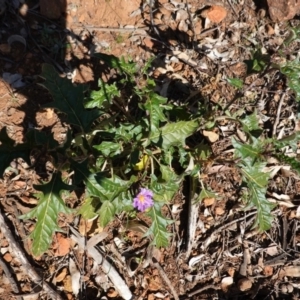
[143, 200]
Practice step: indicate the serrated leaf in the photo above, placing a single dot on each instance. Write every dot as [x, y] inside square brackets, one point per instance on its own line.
[106, 213]
[155, 109]
[98, 184]
[46, 212]
[253, 150]
[291, 141]
[291, 70]
[251, 123]
[174, 134]
[127, 132]
[253, 173]
[68, 99]
[257, 181]
[109, 148]
[105, 95]
[164, 190]
[257, 198]
[9, 151]
[158, 230]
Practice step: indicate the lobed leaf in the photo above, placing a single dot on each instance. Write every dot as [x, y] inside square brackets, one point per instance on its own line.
[156, 114]
[46, 212]
[158, 230]
[105, 95]
[174, 134]
[68, 99]
[257, 198]
[251, 123]
[253, 173]
[257, 182]
[253, 150]
[109, 148]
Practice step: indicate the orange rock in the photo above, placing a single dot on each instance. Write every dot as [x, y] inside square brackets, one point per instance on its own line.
[216, 13]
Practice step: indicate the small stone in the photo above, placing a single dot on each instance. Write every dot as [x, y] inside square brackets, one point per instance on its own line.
[244, 284]
[112, 293]
[209, 201]
[23, 10]
[219, 211]
[282, 10]
[7, 257]
[269, 29]
[216, 13]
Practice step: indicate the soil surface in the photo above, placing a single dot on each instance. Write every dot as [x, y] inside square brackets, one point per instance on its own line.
[196, 45]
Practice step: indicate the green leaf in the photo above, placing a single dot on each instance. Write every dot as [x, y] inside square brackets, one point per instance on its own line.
[258, 63]
[253, 150]
[291, 161]
[294, 33]
[174, 134]
[105, 95]
[68, 99]
[164, 190]
[98, 185]
[109, 148]
[291, 141]
[251, 123]
[257, 198]
[253, 173]
[127, 132]
[158, 230]
[9, 151]
[106, 213]
[236, 82]
[155, 109]
[291, 69]
[37, 137]
[257, 181]
[46, 212]
[88, 208]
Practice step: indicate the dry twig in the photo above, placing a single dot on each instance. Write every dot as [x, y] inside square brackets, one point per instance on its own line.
[165, 277]
[278, 115]
[111, 272]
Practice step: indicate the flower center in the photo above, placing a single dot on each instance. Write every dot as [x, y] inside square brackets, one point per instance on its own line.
[142, 198]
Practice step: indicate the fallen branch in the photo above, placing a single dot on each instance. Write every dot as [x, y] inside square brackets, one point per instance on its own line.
[111, 272]
[17, 252]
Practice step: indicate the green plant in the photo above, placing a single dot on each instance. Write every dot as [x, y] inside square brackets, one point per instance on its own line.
[126, 144]
[120, 140]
